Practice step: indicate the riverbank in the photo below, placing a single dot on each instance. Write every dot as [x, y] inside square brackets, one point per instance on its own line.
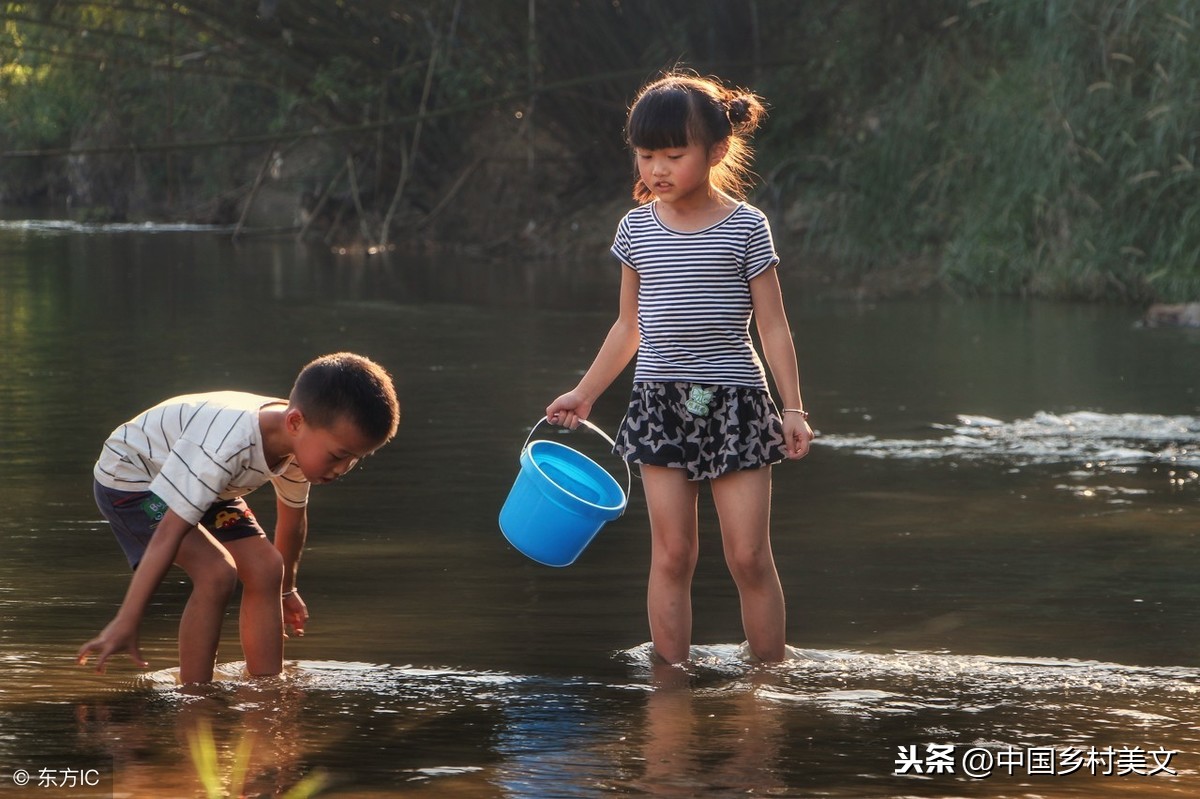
[1015, 149]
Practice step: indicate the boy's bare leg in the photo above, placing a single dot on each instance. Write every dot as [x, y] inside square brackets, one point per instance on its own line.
[260, 568]
[214, 578]
[743, 500]
[671, 500]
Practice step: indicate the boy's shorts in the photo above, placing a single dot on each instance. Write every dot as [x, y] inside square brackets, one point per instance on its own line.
[134, 515]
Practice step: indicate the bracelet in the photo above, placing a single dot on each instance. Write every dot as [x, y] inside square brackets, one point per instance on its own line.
[288, 593]
[803, 413]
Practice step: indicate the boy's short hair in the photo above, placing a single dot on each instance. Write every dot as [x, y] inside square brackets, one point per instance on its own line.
[351, 386]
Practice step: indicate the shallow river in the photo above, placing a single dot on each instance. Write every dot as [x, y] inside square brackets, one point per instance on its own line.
[990, 556]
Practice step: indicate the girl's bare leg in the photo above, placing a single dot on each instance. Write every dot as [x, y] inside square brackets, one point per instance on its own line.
[214, 578]
[260, 568]
[671, 500]
[743, 500]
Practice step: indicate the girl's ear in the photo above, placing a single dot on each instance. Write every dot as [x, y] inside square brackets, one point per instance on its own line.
[718, 151]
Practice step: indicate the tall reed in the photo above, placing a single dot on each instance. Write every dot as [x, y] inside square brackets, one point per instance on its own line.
[1037, 148]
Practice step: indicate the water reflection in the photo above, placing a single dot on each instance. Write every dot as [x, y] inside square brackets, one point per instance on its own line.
[721, 727]
[715, 741]
[152, 738]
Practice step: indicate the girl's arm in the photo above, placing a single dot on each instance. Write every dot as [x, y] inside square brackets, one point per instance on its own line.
[291, 531]
[780, 352]
[618, 348]
[121, 634]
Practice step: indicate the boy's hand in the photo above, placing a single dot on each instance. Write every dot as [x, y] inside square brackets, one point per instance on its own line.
[117, 637]
[295, 613]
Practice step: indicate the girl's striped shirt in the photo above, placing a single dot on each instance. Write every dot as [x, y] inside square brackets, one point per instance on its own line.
[694, 304]
[193, 450]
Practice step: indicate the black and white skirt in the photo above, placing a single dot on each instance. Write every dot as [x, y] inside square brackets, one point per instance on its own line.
[706, 430]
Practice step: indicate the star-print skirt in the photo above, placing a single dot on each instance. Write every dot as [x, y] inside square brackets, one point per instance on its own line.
[706, 430]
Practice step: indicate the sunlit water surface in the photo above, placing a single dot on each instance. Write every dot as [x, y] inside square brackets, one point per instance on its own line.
[993, 545]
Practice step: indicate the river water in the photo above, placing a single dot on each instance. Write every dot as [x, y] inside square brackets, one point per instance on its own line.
[989, 557]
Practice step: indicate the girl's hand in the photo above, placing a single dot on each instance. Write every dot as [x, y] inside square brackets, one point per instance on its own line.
[797, 435]
[568, 410]
[295, 614]
[117, 637]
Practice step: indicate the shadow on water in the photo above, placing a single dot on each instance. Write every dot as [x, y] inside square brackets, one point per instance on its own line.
[991, 548]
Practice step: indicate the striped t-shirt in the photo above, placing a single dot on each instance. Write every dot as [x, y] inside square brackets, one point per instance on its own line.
[694, 303]
[194, 450]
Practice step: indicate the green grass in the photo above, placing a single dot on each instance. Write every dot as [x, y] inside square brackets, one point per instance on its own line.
[1036, 148]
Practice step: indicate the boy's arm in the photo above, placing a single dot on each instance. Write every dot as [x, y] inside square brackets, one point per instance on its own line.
[291, 531]
[121, 634]
[780, 353]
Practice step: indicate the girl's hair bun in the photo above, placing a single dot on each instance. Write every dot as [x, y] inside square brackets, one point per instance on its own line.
[739, 110]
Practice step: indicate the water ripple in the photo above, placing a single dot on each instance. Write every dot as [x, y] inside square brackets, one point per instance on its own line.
[1083, 436]
[68, 226]
[732, 727]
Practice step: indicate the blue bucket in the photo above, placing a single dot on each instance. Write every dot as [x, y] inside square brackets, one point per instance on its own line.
[559, 501]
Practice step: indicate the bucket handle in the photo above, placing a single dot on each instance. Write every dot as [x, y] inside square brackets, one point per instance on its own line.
[602, 434]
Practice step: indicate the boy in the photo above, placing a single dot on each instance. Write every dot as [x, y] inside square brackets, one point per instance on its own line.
[171, 481]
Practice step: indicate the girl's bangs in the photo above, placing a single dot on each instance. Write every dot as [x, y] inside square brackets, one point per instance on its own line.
[659, 121]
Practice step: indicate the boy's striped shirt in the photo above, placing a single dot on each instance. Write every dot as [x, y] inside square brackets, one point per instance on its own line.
[192, 450]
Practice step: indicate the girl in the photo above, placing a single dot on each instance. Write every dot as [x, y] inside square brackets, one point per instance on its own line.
[697, 262]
